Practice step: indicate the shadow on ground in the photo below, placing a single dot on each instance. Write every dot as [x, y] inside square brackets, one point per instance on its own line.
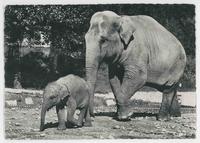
[135, 115]
[50, 125]
[55, 125]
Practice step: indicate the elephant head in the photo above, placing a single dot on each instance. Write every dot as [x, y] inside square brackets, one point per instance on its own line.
[108, 36]
[54, 94]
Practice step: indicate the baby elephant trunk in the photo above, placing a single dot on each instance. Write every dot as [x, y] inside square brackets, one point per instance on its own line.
[43, 113]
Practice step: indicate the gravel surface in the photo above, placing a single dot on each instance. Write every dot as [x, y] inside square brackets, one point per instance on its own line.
[143, 125]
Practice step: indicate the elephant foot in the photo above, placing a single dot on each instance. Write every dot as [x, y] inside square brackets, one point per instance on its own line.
[41, 128]
[61, 127]
[79, 124]
[124, 112]
[162, 117]
[88, 124]
[74, 124]
[91, 111]
[175, 114]
[175, 110]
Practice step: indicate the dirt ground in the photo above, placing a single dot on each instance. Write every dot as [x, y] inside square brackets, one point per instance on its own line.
[23, 123]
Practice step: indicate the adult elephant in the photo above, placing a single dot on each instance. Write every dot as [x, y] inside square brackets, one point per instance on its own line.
[139, 51]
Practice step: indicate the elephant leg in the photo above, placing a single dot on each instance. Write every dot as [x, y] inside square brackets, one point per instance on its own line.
[175, 110]
[91, 105]
[71, 108]
[81, 117]
[164, 112]
[116, 88]
[60, 110]
[128, 88]
[88, 121]
[115, 85]
[133, 80]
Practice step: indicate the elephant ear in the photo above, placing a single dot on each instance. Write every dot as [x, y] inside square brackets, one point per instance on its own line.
[64, 92]
[126, 31]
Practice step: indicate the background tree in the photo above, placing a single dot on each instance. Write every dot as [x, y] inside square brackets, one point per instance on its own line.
[64, 27]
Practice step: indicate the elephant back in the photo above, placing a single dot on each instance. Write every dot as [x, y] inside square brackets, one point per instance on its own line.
[73, 83]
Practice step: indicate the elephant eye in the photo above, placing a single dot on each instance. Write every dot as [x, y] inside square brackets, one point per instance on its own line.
[103, 39]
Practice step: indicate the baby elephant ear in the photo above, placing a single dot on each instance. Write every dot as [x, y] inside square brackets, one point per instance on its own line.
[126, 32]
[64, 92]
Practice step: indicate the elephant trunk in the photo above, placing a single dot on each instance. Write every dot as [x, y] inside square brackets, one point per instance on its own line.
[92, 65]
[91, 76]
[45, 107]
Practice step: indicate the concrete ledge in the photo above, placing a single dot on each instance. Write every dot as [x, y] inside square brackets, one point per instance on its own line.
[24, 91]
[15, 97]
[186, 98]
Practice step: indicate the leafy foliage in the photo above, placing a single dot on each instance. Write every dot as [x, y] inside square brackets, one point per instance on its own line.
[64, 26]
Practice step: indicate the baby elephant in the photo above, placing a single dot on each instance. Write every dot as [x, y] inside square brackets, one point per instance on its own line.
[71, 91]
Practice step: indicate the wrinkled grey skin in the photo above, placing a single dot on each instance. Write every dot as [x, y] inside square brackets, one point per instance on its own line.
[71, 91]
[139, 51]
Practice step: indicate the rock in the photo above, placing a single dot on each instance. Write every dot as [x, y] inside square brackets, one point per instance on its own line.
[28, 100]
[123, 128]
[193, 128]
[99, 95]
[110, 137]
[35, 130]
[11, 102]
[110, 95]
[139, 118]
[163, 130]
[180, 134]
[17, 124]
[13, 118]
[42, 135]
[33, 113]
[131, 132]
[36, 113]
[172, 133]
[13, 108]
[191, 135]
[184, 131]
[188, 126]
[101, 137]
[183, 124]
[184, 117]
[110, 102]
[110, 119]
[116, 127]
[172, 126]
[130, 129]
